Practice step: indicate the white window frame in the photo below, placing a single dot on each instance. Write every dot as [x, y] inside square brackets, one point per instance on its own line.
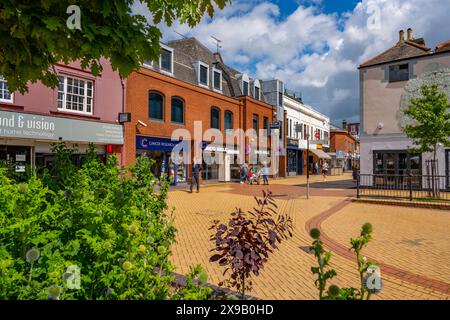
[148, 66]
[85, 99]
[197, 67]
[213, 84]
[256, 84]
[163, 46]
[11, 94]
[245, 78]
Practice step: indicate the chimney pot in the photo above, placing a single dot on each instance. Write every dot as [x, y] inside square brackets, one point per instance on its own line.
[401, 36]
[410, 34]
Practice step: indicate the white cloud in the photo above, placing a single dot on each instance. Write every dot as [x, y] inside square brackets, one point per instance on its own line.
[312, 52]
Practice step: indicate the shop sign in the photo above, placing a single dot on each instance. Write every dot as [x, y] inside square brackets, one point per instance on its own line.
[340, 154]
[153, 143]
[31, 126]
[292, 142]
[124, 117]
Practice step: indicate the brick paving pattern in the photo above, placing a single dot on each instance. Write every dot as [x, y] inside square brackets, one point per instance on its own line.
[421, 255]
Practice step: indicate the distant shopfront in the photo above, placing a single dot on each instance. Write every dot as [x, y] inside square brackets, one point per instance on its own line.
[161, 151]
[294, 157]
[26, 139]
[225, 168]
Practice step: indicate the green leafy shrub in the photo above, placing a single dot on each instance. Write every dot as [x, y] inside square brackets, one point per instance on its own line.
[195, 288]
[367, 270]
[102, 223]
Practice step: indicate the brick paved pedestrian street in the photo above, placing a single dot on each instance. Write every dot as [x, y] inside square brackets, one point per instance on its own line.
[412, 245]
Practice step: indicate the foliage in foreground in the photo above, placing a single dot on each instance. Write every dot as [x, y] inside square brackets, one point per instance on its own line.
[245, 243]
[104, 224]
[370, 279]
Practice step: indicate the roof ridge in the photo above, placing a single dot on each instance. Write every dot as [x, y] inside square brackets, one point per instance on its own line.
[443, 44]
[419, 46]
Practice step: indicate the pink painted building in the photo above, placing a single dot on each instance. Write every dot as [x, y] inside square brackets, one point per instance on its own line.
[83, 109]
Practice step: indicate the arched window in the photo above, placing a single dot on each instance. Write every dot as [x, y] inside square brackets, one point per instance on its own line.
[177, 110]
[215, 118]
[228, 120]
[155, 105]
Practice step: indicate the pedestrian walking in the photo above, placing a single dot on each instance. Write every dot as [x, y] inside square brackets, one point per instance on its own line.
[195, 176]
[265, 173]
[316, 168]
[325, 170]
[244, 173]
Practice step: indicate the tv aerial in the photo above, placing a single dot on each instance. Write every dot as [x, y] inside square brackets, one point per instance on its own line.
[218, 43]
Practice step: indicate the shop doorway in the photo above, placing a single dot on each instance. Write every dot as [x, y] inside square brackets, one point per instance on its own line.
[16, 157]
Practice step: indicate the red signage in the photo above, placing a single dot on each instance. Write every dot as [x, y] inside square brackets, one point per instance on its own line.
[317, 135]
[109, 148]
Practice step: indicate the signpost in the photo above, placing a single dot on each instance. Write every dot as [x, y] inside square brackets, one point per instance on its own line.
[307, 166]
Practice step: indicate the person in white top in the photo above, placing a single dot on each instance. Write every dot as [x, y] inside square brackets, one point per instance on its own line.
[324, 170]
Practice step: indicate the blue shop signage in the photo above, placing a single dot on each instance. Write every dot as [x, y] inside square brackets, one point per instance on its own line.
[161, 144]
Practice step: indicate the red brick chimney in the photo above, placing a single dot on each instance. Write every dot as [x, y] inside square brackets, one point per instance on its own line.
[401, 36]
[410, 34]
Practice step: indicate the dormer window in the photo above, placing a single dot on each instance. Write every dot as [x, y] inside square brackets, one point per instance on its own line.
[245, 88]
[166, 60]
[245, 85]
[202, 74]
[257, 90]
[217, 79]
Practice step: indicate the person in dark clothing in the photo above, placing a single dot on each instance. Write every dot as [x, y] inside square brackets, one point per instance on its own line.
[195, 176]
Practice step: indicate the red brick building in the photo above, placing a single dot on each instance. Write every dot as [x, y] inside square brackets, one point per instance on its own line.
[190, 83]
[344, 148]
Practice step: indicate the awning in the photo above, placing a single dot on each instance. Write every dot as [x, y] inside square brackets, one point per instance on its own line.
[320, 153]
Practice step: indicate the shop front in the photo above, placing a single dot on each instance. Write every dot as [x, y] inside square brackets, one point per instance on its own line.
[220, 163]
[294, 158]
[166, 160]
[26, 139]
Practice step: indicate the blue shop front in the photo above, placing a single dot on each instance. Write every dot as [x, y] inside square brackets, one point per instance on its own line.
[294, 157]
[167, 161]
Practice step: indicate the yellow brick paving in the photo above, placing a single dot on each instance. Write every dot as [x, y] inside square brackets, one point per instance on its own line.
[413, 239]
[287, 275]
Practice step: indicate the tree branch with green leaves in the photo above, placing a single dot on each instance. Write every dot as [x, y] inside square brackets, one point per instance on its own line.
[35, 35]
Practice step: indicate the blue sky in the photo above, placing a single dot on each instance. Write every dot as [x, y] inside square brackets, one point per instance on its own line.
[315, 46]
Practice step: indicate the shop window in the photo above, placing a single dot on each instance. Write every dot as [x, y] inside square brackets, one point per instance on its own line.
[5, 95]
[155, 106]
[228, 120]
[177, 110]
[215, 118]
[75, 95]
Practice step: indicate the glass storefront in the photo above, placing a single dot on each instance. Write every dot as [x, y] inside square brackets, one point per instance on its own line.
[17, 156]
[162, 151]
[394, 167]
[294, 162]
[210, 171]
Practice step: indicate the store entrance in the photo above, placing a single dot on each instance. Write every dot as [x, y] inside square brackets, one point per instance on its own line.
[18, 157]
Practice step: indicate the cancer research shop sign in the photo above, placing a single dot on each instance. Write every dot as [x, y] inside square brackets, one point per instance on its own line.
[31, 126]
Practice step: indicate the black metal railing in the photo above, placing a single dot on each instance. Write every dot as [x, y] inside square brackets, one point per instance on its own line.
[419, 188]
